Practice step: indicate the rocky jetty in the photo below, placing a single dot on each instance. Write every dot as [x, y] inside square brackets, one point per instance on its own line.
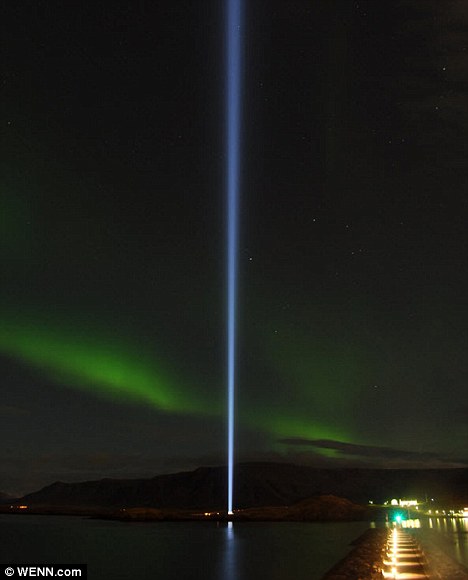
[366, 561]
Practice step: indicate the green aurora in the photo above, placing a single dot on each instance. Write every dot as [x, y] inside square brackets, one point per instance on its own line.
[101, 365]
[90, 360]
[322, 374]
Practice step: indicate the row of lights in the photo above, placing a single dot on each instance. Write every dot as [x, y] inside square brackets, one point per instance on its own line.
[394, 554]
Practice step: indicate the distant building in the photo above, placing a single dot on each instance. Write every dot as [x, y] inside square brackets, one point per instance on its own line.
[404, 502]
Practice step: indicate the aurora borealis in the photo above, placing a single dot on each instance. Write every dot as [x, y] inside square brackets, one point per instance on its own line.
[352, 255]
[86, 362]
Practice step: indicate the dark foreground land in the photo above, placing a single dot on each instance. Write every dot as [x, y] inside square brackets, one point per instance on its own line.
[321, 508]
[365, 561]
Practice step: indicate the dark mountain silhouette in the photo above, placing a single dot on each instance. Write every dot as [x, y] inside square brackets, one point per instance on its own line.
[6, 498]
[257, 484]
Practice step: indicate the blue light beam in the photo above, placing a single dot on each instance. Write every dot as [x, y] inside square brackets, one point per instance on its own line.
[233, 91]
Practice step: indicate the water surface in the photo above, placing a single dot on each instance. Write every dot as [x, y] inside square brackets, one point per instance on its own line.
[453, 533]
[178, 550]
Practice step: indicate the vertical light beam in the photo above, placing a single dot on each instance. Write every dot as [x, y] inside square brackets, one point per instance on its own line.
[233, 90]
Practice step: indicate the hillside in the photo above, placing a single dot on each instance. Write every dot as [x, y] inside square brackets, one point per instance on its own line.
[257, 484]
[6, 498]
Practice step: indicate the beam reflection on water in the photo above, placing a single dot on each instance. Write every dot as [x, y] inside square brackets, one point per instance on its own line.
[230, 556]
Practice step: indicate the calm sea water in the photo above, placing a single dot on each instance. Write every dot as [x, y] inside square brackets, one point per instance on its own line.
[453, 535]
[195, 550]
[178, 550]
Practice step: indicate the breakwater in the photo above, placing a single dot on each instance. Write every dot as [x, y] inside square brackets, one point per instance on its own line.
[393, 553]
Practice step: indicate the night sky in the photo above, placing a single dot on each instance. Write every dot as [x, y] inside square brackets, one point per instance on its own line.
[353, 263]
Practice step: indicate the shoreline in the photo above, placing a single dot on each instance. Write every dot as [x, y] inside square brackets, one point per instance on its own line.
[320, 509]
[153, 515]
[364, 561]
